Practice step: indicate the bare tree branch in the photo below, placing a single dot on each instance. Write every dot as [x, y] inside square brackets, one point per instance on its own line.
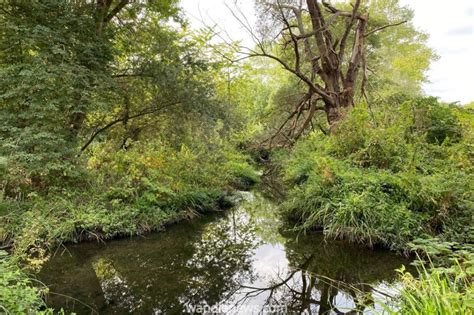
[384, 27]
[151, 110]
[116, 10]
[319, 59]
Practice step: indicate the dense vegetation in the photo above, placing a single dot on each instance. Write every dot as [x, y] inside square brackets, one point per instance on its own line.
[388, 177]
[117, 119]
[114, 123]
[91, 147]
[444, 285]
[18, 294]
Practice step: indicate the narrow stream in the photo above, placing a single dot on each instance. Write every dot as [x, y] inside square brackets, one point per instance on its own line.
[234, 262]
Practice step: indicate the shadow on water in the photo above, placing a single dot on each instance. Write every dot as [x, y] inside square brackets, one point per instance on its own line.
[235, 262]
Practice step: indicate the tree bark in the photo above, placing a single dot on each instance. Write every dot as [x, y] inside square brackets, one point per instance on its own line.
[326, 57]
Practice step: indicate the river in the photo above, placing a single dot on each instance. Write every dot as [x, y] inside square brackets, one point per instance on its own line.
[241, 261]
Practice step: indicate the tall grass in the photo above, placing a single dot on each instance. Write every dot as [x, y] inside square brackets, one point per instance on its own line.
[436, 290]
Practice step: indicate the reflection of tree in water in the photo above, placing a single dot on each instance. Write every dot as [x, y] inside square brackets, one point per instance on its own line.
[222, 260]
[115, 287]
[301, 291]
[325, 278]
[261, 214]
[202, 261]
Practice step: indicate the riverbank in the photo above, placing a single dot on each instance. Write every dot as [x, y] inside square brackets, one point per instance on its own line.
[39, 233]
[135, 192]
[387, 177]
[58, 220]
[45, 234]
[239, 253]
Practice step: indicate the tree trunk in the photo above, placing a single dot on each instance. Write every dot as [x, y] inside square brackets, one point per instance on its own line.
[335, 113]
[331, 71]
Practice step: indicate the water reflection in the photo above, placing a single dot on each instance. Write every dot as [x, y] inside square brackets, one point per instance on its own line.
[114, 287]
[239, 261]
[221, 261]
[302, 292]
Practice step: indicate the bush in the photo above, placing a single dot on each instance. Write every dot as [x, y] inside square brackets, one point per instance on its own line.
[386, 178]
[438, 122]
[18, 295]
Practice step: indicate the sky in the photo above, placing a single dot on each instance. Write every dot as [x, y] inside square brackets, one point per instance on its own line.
[450, 25]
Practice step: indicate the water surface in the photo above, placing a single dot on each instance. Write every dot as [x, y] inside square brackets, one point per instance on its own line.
[237, 262]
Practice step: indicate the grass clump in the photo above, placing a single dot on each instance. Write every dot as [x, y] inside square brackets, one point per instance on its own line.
[444, 284]
[437, 291]
[387, 177]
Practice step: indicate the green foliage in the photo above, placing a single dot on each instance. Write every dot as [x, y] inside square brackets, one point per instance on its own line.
[139, 93]
[120, 130]
[386, 177]
[157, 167]
[241, 176]
[132, 192]
[439, 123]
[444, 285]
[18, 293]
[63, 79]
[52, 65]
[438, 291]
[38, 227]
[399, 57]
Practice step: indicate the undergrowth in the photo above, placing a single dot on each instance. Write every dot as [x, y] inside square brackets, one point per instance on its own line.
[128, 193]
[387, 176]
[18, 292]
[444, 284]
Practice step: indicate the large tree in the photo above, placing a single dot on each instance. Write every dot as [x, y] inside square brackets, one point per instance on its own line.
[323, 46]
[72, 71]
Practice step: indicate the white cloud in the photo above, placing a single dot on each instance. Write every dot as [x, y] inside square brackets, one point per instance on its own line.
[450, 25]
[451, 29]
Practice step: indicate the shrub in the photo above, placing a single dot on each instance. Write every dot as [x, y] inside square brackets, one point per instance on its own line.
[131, 192]
[439, 123]
[383, 179]
[18, 294]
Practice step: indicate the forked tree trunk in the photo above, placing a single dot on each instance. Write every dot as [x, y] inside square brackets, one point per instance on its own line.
[339, 76]
[328, 63]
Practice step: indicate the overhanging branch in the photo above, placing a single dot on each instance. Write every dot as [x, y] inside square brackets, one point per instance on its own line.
[149, 111]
